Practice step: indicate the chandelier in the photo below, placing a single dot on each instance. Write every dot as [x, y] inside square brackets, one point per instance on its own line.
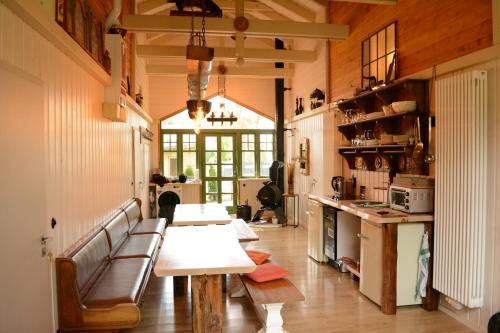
[221, 80]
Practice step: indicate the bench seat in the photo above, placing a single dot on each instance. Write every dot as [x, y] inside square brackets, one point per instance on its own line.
[149, 226]
[100, 284]
[139, 246]
[121, 282]
[268, 299]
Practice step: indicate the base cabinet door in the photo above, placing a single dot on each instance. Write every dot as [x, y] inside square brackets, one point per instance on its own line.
[370, 282]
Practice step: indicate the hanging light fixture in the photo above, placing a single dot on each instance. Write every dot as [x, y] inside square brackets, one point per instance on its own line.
[199, 65]
[222, 69]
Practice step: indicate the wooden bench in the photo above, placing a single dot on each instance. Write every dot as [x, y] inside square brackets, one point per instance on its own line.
[100, 284]
[268, 299]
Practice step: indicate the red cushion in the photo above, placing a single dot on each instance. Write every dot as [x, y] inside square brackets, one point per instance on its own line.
[258, 257]
[268, 272]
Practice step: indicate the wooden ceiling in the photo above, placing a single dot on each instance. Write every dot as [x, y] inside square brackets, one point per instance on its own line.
[163, 37]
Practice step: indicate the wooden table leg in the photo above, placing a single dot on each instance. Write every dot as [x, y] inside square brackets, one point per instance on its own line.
[431, 302]
[389, 266]
[180, 285]
[206, 294]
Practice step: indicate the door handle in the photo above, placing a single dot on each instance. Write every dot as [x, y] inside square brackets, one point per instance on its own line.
[361, 236]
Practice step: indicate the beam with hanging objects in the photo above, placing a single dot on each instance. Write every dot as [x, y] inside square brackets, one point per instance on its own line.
[247, 72]
[228, 53]
[224, 27]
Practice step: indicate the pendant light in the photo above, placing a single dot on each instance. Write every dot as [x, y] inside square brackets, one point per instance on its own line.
[199, 65]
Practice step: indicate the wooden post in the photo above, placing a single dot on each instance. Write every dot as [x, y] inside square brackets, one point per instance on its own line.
[206, 294]
[180, 285]
[431, 301]
[389, 266]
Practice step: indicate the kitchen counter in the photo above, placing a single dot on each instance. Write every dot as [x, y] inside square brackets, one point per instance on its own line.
[370, 214]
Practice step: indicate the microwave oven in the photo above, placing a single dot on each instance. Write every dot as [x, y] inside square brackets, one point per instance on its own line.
[412, 200]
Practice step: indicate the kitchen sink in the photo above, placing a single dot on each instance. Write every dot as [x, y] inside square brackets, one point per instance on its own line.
[369, 204]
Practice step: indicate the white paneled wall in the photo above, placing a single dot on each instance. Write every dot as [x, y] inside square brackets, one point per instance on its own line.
[89, 166]
[319, 129]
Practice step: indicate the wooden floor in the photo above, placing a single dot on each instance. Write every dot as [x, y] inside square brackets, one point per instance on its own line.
[333, 303]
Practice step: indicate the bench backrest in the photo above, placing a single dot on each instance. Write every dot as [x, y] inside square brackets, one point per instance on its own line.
[134, 216]
[117, 231]
[90, 260]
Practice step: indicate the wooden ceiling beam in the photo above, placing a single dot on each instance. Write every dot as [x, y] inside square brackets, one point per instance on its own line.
[291, 10]
[224, 27]
[228, 53]
[372, 2]
[150, 7]
[247, 72]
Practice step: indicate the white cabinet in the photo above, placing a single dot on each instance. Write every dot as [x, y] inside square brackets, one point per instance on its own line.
[315, 230]
[408, 247]
[370, 279]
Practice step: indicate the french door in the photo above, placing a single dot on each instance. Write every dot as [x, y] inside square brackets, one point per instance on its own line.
[219, 170]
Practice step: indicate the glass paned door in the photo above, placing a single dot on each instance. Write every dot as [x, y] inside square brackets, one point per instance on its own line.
[219, 169]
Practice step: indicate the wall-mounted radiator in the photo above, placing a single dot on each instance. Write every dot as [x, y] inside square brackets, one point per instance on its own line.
[460, 210]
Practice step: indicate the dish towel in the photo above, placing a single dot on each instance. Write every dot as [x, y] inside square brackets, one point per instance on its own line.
[423, 267]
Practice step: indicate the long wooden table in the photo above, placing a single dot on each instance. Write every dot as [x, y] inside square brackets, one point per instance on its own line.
[205, 253]
[200, 214]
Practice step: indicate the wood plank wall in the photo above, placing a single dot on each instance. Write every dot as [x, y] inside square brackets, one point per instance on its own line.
[89, 158]
[429, 32]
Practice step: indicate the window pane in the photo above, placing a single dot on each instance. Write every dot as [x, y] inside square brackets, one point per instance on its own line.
[251, 146]
[227, 170]
[227, 157]
[366, 52]
[226, 143]
[227, 199]
[210, 170]
[211, 143]
[266, 159]
[211, 198]
[211, 186]
[381, 43]
[373, 47]
[391, 38]
[244, 145]
[211, 157]
[189, 163]
[227, 186]
[381, 69]
[248, 166]
[170, 164]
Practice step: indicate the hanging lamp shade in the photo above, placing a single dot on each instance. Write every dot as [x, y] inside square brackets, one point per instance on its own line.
[199, 66]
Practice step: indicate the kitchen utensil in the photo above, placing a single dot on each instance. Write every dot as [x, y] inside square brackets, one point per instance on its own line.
[419, 146]
[343, 188]
[404, 106]
[429, 157]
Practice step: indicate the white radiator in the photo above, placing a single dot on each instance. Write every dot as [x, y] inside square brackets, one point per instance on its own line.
[460, 210]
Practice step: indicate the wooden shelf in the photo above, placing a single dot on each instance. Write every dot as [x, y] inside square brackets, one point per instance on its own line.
[392, 116]
[369, 149]
[311, 113]
[353, 102]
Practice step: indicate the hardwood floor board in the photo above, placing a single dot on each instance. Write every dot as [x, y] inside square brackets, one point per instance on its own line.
[333, 303]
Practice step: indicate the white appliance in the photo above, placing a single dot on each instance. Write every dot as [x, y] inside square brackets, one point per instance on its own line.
[315, 231]
[170, 192]
[412, 200]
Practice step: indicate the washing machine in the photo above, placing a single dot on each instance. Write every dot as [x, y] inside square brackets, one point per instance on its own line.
[167, 196]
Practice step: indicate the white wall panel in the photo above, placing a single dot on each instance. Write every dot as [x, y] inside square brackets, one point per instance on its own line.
[89, 169]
